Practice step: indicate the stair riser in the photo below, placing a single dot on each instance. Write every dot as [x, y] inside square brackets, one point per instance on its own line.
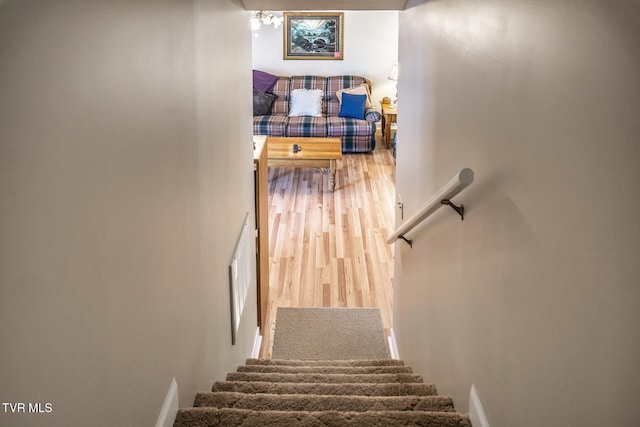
[352, 363]
[312, 403]
[362, 389]
[325, 378]
[327, 369]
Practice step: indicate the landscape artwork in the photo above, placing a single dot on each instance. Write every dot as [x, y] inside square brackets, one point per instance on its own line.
[310, 35]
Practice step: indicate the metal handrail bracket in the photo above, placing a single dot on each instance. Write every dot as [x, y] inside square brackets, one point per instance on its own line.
[443, 197]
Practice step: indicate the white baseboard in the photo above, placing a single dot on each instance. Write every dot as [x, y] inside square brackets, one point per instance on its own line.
[257, 342]
[393, 346]
[476, 411]
[170, 408]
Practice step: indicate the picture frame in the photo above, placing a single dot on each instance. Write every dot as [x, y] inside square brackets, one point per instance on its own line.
[313, 35]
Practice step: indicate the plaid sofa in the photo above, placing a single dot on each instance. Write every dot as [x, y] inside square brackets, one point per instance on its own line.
[358, 136]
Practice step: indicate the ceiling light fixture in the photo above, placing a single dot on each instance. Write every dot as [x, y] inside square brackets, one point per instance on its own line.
[263, 18]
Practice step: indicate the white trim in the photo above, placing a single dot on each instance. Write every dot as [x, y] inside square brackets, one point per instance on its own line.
[170, 407]
[257, 342]
[476, 411]
[393, 346]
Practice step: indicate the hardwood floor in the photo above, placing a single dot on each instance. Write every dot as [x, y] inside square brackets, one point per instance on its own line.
[328, 249]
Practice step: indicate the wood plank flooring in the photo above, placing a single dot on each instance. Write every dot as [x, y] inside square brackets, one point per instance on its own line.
[328, 249]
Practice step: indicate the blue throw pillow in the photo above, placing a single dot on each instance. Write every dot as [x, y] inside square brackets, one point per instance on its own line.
[352, 106]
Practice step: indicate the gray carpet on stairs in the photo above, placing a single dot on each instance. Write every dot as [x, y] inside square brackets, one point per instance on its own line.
[351, 389]
[314, 403]
[324, 378]
[329, 333]
[245, 418]
[359, 387]
[326, 369]
[347, 363]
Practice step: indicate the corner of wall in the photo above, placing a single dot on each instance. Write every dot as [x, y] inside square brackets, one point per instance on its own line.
[170, 406]
[476, 411]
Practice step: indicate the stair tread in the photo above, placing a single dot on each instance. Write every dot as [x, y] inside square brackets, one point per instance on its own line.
[325, 378]
[326, 369]
[248, 418]
[314, 402]
[363, 389]
[297, 362]
[362, 393]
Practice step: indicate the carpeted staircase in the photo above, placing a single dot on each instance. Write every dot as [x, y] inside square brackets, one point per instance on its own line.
[367, 393]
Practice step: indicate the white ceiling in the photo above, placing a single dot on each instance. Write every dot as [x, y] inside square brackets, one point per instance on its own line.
[296, 5]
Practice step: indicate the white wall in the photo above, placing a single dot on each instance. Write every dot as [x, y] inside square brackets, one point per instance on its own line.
[370, 49]
[534, 297]
[123, 185]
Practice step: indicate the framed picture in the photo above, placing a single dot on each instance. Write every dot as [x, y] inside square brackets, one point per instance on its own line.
[313, 35]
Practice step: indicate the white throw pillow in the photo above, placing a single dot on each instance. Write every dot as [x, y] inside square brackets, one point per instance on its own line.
[362, 89]
[306, 102]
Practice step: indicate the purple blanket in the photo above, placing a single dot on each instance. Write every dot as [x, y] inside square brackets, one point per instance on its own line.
[263, 82]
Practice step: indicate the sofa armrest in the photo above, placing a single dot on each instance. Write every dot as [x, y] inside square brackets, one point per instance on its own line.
[372, 115]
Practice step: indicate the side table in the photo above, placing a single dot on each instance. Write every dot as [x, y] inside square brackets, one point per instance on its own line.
[389, 115]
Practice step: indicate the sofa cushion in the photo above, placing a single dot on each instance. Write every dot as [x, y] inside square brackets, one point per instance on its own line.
[274, 125]
[334, 84]
[358, 136]
[337, 126]
[352, 106]
[307, 126]
[281, 91]
[310, 82]
[306, 102]
[362, 89]
[262, 102]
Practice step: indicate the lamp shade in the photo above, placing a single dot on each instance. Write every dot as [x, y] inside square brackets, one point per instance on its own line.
[393, 75]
